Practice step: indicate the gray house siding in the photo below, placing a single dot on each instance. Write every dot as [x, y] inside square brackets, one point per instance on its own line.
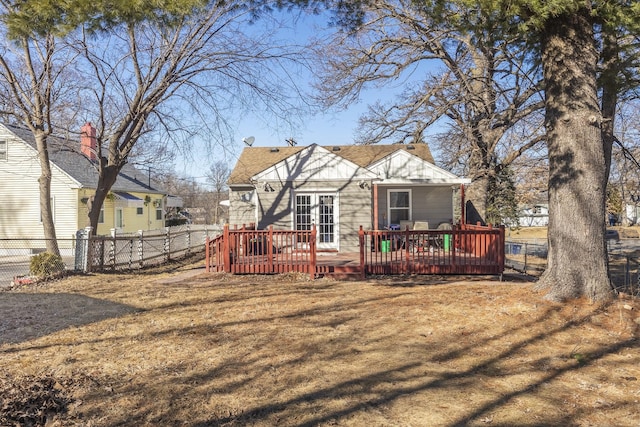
[241, 206]
[276, 204]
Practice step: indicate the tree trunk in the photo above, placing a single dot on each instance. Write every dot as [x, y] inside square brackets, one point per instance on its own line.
[577, 259]
[476, 200]
[106, 178]
[610, 87]
[44, 181]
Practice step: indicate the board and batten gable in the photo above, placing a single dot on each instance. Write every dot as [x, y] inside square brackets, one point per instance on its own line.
[314, 163]
[402, 167]
[430, 188]
[20, 210]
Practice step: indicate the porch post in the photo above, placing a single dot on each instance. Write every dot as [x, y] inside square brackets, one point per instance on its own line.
[375, 207]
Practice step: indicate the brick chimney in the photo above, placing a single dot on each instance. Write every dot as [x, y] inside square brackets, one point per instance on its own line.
[88, 144]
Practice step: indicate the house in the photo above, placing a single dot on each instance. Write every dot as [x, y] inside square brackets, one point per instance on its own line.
[340, 188]
[534, 216]
[133, 203]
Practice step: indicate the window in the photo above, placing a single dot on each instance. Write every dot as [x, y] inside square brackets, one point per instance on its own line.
[159, 214]
[139, 211]
[3, 150]
[101, 216]
[399, 206]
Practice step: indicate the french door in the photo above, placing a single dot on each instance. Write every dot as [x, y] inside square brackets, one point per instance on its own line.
[318, 209]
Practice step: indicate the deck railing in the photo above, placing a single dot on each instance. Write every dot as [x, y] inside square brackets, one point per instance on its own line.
[249, 251]
[464, 249]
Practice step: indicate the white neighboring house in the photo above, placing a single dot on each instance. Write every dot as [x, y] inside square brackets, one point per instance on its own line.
[534, 216]
[133, 204]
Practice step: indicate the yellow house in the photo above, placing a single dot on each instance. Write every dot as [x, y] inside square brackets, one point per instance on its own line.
[133, 203]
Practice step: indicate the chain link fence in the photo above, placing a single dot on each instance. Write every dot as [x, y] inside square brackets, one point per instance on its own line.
[530, 257]
[25, 261]
[143, 249]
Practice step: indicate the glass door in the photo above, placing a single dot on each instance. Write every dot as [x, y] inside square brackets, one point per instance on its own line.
[119, 219]
[319, 209]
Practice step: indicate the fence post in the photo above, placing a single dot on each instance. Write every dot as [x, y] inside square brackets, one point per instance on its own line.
[140, 248]
[166, 247]
[501, 250]
[207, 266]
[312, 253]
[83, 250]
[627, 277]
[269, 249]
[226, 249]
[112, 250]
[188, 240]
[362, 244]
[130, 254]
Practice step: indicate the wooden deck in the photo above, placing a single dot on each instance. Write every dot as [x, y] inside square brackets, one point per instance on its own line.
[462, 250]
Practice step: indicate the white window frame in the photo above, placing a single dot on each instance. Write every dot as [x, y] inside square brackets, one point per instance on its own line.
[139, 210]
[389, 208]
[101, 216]
[4, 149]
[315, 193]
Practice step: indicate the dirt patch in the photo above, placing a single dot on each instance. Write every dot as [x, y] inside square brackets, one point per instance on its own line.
[221, 350]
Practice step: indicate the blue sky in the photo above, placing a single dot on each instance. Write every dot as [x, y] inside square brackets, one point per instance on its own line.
[332, 127]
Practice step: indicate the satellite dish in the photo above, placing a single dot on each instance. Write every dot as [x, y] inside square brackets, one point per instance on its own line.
[248, 140]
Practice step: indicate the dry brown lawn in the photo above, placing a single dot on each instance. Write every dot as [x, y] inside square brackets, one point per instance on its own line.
[186, 348]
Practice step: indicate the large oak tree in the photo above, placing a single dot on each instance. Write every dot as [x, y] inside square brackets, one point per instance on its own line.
[576, 42]
[458, 69]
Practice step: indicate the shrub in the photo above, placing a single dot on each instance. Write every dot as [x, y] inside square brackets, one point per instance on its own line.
[46, 264]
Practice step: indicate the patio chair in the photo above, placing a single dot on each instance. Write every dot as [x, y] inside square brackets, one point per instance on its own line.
[418, 244]
[421, 225]
[406, 224]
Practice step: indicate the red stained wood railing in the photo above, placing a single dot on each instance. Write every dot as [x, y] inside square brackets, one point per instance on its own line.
[249, 251]
[465, 249]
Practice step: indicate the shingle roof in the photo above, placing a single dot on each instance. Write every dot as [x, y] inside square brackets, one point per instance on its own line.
[66, 155]
[256, 159]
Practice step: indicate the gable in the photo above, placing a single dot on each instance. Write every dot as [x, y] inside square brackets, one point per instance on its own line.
[255, 160]
[403, 167]
[314, 163]
[23, 165]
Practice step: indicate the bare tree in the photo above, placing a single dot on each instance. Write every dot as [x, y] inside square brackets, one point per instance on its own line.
[35, 87]
[477, 84]
[178, 77]
[218, 176]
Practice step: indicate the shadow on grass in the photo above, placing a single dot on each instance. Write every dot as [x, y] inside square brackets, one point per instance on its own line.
[28, 316]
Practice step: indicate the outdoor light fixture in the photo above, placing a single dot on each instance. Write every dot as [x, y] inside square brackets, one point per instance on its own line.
[364, 184]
